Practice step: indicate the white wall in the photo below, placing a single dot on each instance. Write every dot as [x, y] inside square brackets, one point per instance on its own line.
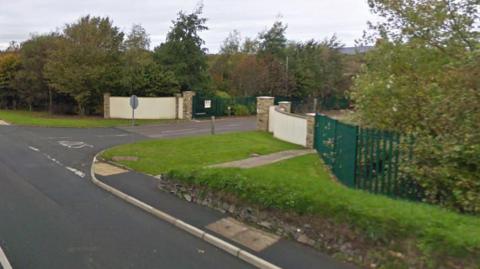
[148, 108]
[288, 127]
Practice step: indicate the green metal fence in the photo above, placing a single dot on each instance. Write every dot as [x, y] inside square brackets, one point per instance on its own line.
[366, 159]
[302, 105]
[204, 106]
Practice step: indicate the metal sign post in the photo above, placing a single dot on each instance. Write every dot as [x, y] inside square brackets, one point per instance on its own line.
[133, 105]
[212, 125]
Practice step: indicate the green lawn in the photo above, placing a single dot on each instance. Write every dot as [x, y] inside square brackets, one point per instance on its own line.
[26, 118]
[161, 156]
[303, 185]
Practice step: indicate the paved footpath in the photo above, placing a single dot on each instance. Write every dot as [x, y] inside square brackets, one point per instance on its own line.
[265, 159]
[283, 253]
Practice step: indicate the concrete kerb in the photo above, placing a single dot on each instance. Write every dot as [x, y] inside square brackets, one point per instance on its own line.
[211, 239]
[4, 263]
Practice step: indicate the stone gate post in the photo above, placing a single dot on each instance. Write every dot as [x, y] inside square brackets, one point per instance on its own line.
[263, 106]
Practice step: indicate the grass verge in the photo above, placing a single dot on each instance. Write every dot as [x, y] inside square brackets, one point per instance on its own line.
[161, 156]
[303, 185]
[27, 118]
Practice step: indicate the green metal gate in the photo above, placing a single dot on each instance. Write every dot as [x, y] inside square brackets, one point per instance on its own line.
[204, 106]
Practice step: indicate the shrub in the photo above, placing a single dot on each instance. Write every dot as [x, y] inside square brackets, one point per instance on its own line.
[222, 94]
[241, 110]
[422, 80]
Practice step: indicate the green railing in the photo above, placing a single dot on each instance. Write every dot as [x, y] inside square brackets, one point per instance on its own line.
[366, 159]
[219, 106]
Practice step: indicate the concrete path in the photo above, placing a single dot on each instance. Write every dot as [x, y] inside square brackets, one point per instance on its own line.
[284, 253]
[265, 159]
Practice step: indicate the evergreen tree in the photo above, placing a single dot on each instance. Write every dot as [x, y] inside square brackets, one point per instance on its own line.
[183, 52]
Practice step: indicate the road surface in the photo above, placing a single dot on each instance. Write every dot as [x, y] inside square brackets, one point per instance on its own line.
[52, 216]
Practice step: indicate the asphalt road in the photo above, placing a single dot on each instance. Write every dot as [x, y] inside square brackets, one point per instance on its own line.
[52, 216]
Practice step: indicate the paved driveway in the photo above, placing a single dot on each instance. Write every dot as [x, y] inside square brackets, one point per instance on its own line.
[194, 127]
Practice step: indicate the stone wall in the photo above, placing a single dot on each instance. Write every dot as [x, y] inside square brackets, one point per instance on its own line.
[310, 130]
[285, 106]
[263, 105]
[106, 105]
[178, 96]
[188, 104]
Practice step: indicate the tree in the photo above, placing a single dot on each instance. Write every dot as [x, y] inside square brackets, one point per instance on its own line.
[9, 67]
[136, 60]
[231, 45]
[183, 52]
[141, 74]
[273, 42]
[249, 76]
[87, 61]
[423, 79]
[30, 81]
[272, 46]
[250, 46]
[137, 39]
[318, 68]
[161, 82]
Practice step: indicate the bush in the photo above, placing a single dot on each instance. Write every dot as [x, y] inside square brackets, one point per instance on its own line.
[222, 94]
[241, 110]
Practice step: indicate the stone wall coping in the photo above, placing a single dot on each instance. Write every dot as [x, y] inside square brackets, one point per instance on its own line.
[265, 97]
[306, 116]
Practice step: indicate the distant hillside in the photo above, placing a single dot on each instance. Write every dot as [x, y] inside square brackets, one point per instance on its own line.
[355, 50]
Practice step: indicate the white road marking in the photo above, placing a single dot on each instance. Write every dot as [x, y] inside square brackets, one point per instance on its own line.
[33, 148]
[74, 144]
[73, 170]
[53, 159]
[4, 261]
[76, 172]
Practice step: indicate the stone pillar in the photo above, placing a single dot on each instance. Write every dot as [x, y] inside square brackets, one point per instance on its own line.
[310, 130]
[188, 104]
[315, 104]
[177, 105]
[285, 106]
[106, 105]
[263, 108]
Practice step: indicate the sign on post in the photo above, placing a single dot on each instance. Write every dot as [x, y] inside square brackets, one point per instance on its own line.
[133, 105]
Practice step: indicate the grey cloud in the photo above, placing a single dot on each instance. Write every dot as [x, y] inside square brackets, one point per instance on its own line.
[306, 19]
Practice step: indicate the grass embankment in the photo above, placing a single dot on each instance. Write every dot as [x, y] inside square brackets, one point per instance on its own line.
[27, 118]
[303, 185]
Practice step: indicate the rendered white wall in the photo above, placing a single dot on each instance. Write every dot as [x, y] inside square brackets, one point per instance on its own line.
[148, 108]
[287, 127]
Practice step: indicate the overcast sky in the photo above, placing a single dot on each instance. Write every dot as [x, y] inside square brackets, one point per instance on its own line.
[306, 19]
